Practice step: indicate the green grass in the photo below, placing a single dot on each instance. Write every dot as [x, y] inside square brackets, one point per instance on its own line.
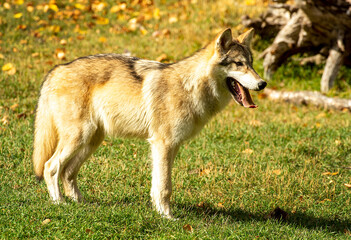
[227, 180]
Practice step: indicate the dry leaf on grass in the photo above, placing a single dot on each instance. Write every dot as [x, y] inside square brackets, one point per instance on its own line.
[188, 228]
[247, 151]
[14, 106]
[18, 15]
[205, 172]
[5, 120]
[221, 205]
[255, 123]
[330, 173]
[46, 221]
[60, 54]
[325, 200]
[9, 69]
[162, 57]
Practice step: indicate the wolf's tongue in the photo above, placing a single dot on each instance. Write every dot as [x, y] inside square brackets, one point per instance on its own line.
[246, 97]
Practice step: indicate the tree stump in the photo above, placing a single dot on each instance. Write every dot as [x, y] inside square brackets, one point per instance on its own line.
[315, 26]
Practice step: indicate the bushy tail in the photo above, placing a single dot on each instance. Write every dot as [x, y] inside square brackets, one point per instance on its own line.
[45, 139]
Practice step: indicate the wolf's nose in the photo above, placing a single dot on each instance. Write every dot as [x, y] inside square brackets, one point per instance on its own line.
[262, 85]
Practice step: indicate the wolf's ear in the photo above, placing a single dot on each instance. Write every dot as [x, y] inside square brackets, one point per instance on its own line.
[223, 40]
[246, 37]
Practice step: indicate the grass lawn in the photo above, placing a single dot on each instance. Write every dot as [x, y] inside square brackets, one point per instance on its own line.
[227, 181]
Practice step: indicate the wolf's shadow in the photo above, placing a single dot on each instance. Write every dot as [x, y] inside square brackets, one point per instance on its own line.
[297, 219]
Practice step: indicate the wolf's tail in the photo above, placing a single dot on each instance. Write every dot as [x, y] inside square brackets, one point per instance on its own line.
[45, 138]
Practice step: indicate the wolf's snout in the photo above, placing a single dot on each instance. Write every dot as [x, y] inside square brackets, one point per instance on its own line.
[262, 85]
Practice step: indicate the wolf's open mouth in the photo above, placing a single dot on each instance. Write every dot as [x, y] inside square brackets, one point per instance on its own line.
[240, 93]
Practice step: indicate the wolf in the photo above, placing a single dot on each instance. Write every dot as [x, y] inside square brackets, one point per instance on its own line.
[84, 100]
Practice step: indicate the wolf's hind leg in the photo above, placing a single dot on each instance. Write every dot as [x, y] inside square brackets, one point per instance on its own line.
[163, 155]
[64, 152]
[71, 169]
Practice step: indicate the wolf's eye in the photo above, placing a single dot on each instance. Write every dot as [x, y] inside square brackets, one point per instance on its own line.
[239, 64]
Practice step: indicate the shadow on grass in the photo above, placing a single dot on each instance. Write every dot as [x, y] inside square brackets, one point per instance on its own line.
[297, 219]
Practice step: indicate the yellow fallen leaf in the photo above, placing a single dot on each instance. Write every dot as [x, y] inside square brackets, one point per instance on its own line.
[63, 41]
[337, 142]
[7, 67]
[79, 6]
[18, 15]
[46, 221]
[143, 30]
[277, 171]
[220, 205]
[54, 7]
[205, 172]
[119, 7]
[330, 173]
[255, 123]
[247, 151]
[55, 28]
[22, 27]
[7, 6]
[14, 106]
[172, 19]
[98, 6]
[156, 13]
[5, 120]
[250, 2]
[60, 53]
[102, 21]
[12, 71]
[30, 8]
[321, 115]
[132, 24]
[347, 185]
[162, 57]
[102, 39]
[115, 9]
[19, 2]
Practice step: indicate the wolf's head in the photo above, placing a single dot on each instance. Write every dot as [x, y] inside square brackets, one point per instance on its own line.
[234, 64]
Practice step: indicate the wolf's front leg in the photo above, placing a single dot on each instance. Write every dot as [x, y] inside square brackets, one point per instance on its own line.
[162, 156]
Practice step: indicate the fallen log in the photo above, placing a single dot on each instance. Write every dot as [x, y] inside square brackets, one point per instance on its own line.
[309, 98]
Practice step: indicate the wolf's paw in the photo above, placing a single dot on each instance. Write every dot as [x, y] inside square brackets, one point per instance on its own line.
[170, 217]
[58, 201]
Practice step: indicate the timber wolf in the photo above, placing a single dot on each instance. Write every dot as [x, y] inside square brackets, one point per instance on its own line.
[82, 101]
